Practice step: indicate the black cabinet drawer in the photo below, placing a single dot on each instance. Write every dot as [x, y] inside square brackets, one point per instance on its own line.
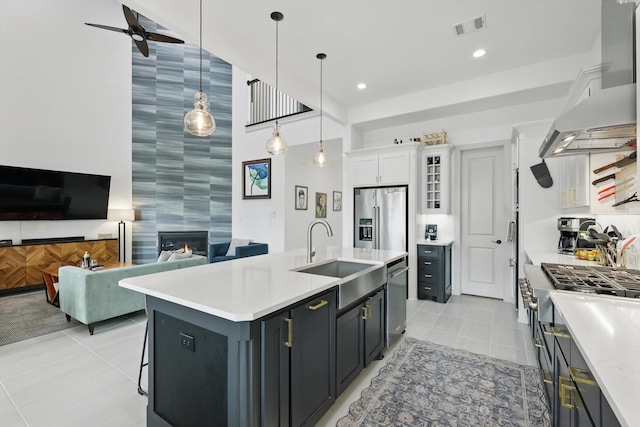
[430, 275]
[430, 251]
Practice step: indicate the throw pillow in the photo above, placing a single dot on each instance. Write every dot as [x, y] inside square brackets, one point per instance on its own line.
[235, 243]
[179, 255]
[164, 256]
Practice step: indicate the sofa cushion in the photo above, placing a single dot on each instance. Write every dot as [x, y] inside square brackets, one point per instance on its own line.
[235, 243]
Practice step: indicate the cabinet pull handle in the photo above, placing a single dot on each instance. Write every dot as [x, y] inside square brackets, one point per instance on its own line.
[537, 343]
[426, 288]
[289, 341]
[546, 328]
[560, 332]
[582, 376]
[566, 387]
[427, 263]
[546, 377]
[322, 303]
[364, 312]
[428, 276]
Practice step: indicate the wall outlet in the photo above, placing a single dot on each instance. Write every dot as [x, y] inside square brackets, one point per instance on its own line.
[187, 342]
[105, 236]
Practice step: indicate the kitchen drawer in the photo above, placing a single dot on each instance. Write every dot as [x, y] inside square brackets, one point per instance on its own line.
[434, 270]
[430, 276]
[428, 291]
[430, 251]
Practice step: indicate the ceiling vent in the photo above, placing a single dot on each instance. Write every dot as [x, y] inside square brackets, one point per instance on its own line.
[470, 25]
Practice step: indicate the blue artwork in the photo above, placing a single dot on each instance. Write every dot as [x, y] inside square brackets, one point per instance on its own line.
[256, 179]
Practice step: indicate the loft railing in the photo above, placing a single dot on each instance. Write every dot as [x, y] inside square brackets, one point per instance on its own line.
[264, 100]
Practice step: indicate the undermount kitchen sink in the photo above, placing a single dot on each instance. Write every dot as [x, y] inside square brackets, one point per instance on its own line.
[358, 283]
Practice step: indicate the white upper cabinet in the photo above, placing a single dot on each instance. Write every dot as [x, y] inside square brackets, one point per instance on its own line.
[574, 181]
[380, 166]
[436, 181]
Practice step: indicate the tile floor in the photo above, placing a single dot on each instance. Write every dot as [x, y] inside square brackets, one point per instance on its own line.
[70, 378]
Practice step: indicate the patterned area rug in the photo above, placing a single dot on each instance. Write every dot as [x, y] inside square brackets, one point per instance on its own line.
[426, 384]
[28, 315]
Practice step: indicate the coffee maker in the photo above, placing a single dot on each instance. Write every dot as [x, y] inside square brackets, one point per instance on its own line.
[572, 233]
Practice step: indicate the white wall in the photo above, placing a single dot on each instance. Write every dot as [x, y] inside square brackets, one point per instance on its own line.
[301, 171]
[265, 220]
[66, 101]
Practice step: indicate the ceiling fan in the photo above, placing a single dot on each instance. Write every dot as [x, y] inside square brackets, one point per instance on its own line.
[137, 32]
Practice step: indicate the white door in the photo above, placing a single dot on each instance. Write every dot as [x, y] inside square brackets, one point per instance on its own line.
[484, 218]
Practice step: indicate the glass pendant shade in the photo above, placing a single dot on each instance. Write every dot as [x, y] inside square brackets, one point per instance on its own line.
[320, 159]
[276, 145]
[199, 121]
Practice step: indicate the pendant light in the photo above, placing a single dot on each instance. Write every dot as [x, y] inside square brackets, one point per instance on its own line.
[199, 121]
[320, 159]
[276, 145]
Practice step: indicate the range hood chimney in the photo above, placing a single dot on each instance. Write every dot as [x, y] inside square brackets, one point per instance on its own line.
[606, 119]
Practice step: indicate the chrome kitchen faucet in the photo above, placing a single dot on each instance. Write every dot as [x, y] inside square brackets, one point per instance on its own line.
[310, 251]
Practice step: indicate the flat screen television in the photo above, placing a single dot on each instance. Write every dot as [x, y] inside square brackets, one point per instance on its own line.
[38, 194]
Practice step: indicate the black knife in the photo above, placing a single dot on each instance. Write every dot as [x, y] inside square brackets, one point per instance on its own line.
[619, 164]
[604, 178]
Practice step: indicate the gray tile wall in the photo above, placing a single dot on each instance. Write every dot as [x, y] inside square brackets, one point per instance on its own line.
[180, 182]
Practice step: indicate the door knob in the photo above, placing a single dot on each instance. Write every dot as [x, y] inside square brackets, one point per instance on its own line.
[497, 241]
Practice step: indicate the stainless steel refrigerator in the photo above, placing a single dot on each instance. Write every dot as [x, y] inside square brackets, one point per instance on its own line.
[380, 216]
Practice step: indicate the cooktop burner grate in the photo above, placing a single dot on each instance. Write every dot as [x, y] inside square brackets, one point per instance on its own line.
[599, 280]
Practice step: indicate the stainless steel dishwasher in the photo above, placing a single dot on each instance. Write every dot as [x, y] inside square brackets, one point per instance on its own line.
[397, 281]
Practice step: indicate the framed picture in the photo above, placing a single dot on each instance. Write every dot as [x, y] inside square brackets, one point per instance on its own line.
[321, 205]
[337, 200]
[256, 179]
[301, 198]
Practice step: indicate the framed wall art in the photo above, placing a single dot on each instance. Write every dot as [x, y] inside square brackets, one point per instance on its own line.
[301, 198]
[337, 200]
[321, 205]
[256, 179]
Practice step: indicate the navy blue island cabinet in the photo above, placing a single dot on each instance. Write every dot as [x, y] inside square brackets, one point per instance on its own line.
[208, 371]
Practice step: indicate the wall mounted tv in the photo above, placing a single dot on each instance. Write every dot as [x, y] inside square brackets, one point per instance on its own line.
[37, 194]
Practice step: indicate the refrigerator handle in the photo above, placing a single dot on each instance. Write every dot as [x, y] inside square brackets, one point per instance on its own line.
[376, 227]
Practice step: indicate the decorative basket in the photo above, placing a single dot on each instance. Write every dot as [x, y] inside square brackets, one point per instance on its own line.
[436, 138]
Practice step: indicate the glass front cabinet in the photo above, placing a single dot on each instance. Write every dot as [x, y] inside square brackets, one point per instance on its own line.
[436, 182]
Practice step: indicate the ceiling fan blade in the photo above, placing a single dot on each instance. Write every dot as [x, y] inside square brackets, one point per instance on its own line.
[155, 37]
[105, 27]
[143, 47]
[131, 19]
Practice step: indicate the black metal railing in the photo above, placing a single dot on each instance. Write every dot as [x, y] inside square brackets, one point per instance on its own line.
[267, 103]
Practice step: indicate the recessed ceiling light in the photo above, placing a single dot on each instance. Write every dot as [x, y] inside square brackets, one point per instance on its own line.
[478, 53]
[362, 86]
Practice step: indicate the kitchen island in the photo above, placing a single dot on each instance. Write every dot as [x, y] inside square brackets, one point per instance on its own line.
[247, 342]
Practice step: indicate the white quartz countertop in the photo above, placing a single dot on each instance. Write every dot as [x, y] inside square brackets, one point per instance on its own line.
[437, 242]
[249, 288]
[538, 257]
[607, 332]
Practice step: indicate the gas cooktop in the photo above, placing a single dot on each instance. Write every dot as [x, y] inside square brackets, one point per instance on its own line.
[596, 280]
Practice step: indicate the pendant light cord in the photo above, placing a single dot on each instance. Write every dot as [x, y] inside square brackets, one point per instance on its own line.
[277, 94]
[200, 45]
[321, 148]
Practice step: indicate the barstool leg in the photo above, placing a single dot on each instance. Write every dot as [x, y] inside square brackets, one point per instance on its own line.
[142, 362]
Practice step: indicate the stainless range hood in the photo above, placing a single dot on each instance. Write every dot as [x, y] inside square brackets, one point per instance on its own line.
[605, 120]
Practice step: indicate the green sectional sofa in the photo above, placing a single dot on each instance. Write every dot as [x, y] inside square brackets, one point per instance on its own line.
[92, 296]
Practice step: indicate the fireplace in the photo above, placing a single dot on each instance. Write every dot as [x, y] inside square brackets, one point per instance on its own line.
[197, 241]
